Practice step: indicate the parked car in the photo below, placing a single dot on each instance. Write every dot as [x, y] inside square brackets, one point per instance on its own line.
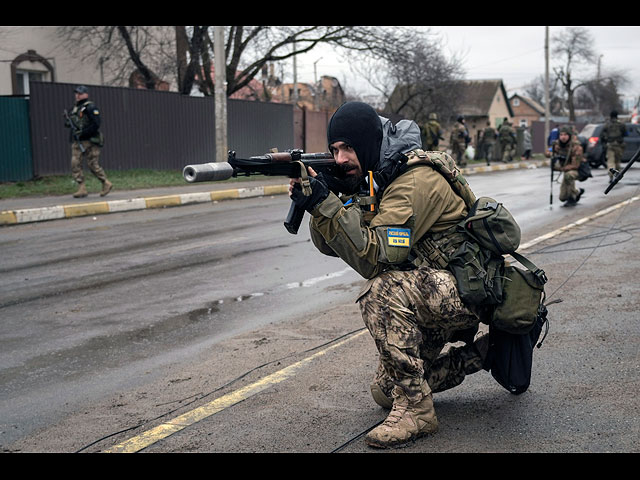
[590, 139]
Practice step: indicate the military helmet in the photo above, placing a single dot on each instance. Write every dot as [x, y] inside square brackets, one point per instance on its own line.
[433, 116]
[565, 129]
[81, 89]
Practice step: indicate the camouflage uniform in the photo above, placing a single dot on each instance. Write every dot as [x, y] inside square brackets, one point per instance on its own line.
[507, 139]
[410, 313]
[612, 135]
[433, 133]
[573, 156]
[458, 141]
[92, 155]
[85, 115]
[489, 136]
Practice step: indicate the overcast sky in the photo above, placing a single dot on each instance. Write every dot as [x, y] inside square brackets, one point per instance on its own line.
[511, 53]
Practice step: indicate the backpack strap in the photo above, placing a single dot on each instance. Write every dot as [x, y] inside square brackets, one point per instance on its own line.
[538, 272]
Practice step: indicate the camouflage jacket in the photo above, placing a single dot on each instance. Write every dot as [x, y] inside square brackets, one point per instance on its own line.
[418, 202]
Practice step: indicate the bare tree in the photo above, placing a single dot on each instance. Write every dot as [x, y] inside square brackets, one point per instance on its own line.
[574, 46]
[413, 76]
[535, 91]
[601, 94]
[249, 48]
[119, 51]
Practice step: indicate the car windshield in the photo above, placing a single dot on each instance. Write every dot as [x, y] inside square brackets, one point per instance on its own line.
[588, 130]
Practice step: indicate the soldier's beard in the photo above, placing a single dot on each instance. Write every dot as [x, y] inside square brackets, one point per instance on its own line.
[351, 184]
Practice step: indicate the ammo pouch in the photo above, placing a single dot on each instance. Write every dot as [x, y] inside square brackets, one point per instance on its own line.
[478, 274]
[98, 139]
[522, 300]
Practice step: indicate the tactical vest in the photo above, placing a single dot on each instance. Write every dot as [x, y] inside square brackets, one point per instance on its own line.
[435, 249]
[78, 115]
[505, 134]
[615, 132]
[564, 153]
[489, 135]
[80, 120]
[432, 131]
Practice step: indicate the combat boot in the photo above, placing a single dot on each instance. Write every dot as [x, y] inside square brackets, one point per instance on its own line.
[406, 422]
[381, 395]
[82, 191]
[106, 188]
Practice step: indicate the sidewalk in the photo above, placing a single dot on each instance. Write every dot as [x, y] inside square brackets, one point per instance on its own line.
[37, 209]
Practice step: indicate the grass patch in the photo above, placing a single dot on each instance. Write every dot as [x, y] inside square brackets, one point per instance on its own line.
[121, 179]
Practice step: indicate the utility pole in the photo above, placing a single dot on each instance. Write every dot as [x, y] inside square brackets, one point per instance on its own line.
[295, 75]
[546, 86]
[220, 94]
[546, 106]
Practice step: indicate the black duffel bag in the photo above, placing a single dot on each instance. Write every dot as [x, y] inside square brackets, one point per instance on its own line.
[510, 356]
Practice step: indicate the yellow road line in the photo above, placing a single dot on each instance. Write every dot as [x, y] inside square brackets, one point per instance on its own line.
[181, 422]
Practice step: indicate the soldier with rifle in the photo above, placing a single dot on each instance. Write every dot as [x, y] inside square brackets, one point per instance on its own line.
[87, 141]
[566, 156]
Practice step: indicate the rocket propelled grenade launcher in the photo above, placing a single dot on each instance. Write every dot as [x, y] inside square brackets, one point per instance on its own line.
[292, 164]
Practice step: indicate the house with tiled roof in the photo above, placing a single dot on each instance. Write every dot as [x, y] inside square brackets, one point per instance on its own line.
[525, 110]
[483, 101]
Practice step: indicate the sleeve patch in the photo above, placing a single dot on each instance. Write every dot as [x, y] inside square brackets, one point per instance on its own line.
[399, 237]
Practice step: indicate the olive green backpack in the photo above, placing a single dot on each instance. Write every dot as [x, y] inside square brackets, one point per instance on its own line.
[482, 276]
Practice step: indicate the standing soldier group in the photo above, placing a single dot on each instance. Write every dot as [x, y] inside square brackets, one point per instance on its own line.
[459, 140]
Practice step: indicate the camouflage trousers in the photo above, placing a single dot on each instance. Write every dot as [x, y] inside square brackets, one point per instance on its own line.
[614, 155]
[568, 190]
[91, 155]
[508, 151]
[411, 315]
[457, 152]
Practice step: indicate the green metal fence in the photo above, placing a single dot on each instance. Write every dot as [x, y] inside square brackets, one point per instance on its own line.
[16, 162]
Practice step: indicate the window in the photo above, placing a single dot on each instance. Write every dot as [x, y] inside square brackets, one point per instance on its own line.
[28, 67]
[24, 77]
[523, 122]
[516, 102]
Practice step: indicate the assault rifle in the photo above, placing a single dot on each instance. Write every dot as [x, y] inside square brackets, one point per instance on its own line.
[617, 176]
[554, 159]
[292, 164]
[74, 130]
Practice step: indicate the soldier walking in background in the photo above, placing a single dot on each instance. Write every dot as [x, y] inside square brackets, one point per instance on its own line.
[87, 141]
[612, 137]
[458, 141]
[433, 133]
[508, 140]
[489, 136]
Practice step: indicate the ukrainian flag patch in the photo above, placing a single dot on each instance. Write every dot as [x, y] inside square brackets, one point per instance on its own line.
[399, 237]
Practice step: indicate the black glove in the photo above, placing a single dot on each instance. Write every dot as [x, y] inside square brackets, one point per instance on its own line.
[319, 191]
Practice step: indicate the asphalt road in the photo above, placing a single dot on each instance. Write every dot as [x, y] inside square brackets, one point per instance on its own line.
[117, 325]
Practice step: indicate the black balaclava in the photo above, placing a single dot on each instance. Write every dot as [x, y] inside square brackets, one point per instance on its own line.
[358, 125]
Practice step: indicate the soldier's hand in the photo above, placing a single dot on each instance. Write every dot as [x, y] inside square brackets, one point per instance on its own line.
[319, 191]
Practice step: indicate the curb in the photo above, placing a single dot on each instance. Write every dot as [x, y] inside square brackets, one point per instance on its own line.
[29, 215]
